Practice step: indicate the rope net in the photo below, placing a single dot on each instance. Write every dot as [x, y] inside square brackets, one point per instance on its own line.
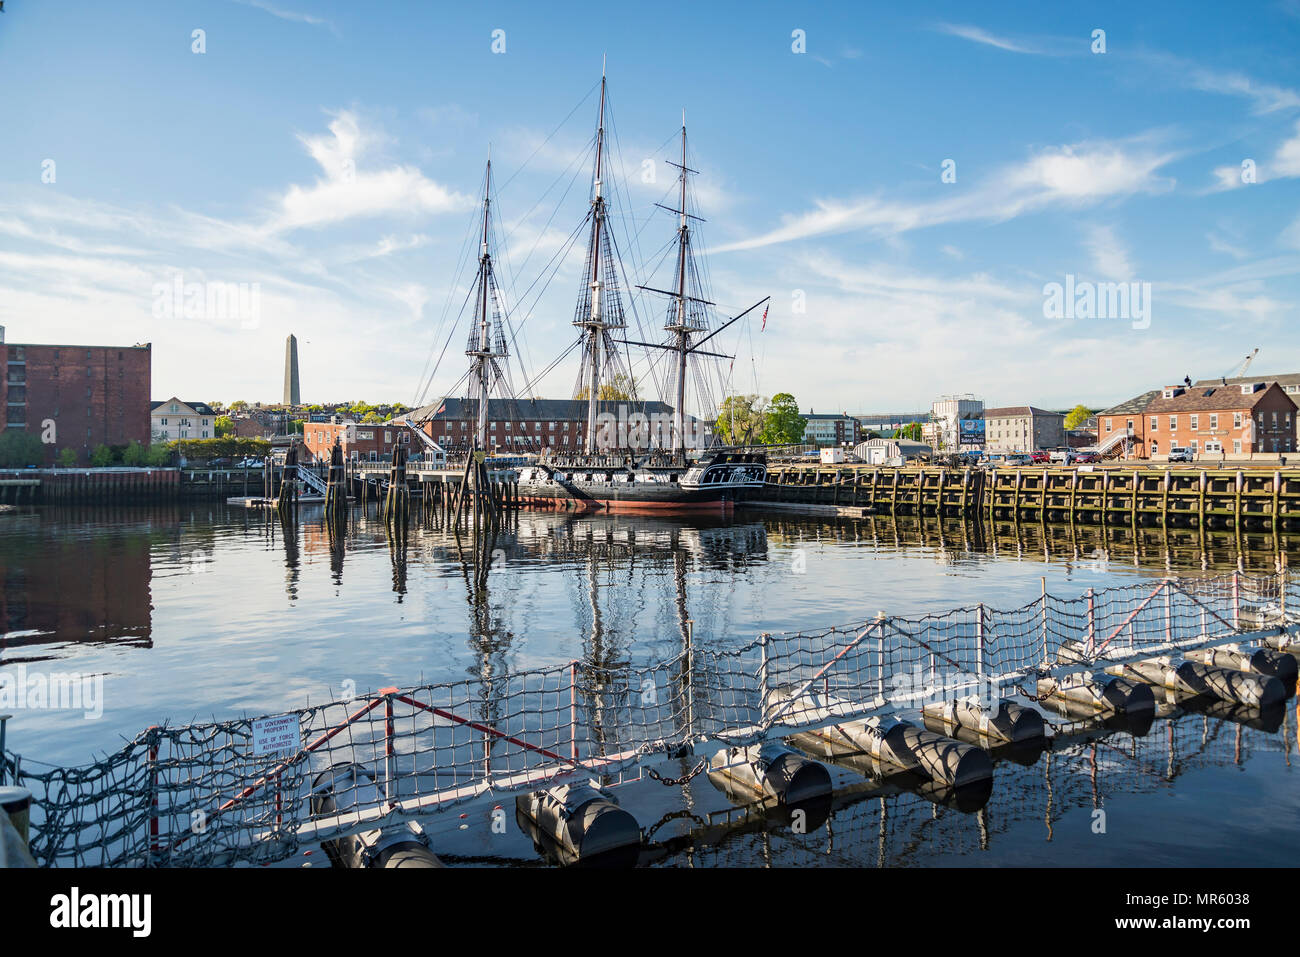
[216, 794]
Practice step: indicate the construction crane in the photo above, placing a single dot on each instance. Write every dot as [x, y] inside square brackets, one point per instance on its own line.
[1241, 369]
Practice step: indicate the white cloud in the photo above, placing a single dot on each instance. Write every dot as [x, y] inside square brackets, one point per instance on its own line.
[1070, 176]
[1264, 97]
[1109, 256]
[292, 15]
[978, 35]
[346, 191]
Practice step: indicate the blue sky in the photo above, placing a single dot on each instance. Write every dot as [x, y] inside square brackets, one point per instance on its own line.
[332, 153]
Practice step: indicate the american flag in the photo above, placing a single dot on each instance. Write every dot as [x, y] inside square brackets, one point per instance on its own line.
[764, 325]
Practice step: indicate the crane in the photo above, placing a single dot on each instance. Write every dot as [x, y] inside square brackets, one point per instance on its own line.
[1241, 369]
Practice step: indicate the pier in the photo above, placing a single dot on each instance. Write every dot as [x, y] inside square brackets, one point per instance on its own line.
[1234, 497]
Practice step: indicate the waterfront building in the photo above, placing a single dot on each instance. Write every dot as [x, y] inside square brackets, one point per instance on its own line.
[173, 419]
[830, 428]
[1023, 428]
[76, 396]
[1217, 421]
[533, 425]
[1121, 431]
[957, 423]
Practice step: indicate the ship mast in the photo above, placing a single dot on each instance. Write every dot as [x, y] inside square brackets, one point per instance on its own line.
[481, 349]
[680, 327]
[593, 324]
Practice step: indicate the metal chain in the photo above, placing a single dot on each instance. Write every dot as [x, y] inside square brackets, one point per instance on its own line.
[672, 782]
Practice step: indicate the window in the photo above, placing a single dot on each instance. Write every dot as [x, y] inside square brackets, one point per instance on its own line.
[1173, 423]
[1214, 421]
[1196, 422]
[162, 421]
[1236, 422]
[551, 427]
[1236, 446]
[175, 407]
[1155, 423]
[1193, 446]
[1275, 420]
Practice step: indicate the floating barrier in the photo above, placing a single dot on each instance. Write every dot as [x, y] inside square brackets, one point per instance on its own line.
[1260, 661]
[578, 824]
[966, 798]
[897, 746]
[1184, 676]
[1005, 722]
[769, 770]
[1099, 693]
[1267, 719]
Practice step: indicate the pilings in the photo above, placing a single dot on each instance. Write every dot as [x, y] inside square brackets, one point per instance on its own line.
[1255, 497]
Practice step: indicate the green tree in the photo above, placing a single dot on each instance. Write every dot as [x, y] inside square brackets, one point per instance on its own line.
[134, 454]
[1076, 416]
[782, 423]
[66, 459]
[101, 457]
[373, 416]
[19, 449]
[740, 419]
[911, 431]
[239, 405]
[158, 456]
[223, 425]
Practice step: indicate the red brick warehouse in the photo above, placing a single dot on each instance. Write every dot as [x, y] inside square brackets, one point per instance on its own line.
[93, 395]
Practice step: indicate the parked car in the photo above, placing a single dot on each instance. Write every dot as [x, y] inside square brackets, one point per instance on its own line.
[1040, 458]
[1019, 460]
[1086, 458]
[1180, 455]
[249, 463]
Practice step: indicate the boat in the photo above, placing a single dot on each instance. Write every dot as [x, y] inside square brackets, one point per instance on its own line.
[613, 470]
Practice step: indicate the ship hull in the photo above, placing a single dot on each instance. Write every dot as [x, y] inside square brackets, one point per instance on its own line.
[668, 499]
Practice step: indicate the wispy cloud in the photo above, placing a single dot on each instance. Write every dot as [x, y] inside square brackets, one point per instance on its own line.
[1070, 176]
[291, 15]
[979, 35]
[1110, 257]
[1264, 97]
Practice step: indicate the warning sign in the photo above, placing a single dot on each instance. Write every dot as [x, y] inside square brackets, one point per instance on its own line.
[276, 735]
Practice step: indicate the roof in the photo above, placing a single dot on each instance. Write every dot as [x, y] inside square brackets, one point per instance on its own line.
[1132, 406]
[201, 408]
[558, 409]
[1288, 378]
[1017, 411]
[1214, 398]
[825, 415]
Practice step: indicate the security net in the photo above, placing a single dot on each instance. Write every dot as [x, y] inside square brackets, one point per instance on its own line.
[255, 790]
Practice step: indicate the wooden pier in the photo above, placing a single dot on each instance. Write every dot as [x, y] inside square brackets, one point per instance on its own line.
[1236, 498]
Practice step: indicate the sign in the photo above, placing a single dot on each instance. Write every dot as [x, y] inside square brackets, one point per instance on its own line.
[970, 431]
[276, 735]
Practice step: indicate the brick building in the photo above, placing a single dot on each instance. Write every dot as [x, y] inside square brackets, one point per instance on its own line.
[1121, 429]
[531, 425]
[89, 395]
[1023, 428]
[1245, 418]
[364, 441]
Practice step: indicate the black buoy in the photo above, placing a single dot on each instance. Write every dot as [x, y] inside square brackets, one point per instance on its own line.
[581, 825]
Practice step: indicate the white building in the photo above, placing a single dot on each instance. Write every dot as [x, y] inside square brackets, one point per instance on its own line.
[173, 419]
[948, 413]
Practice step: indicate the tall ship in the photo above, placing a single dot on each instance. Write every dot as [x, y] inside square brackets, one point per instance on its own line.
[630, 459]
